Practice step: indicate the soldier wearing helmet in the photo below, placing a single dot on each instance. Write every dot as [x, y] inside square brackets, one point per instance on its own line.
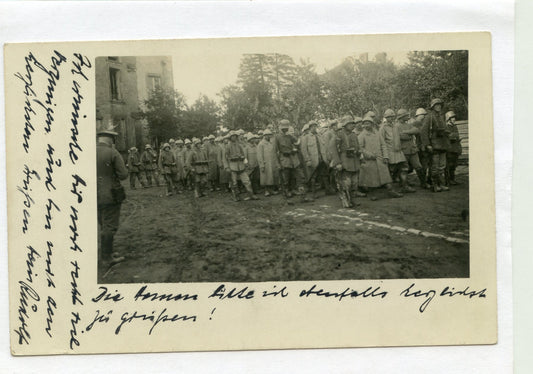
[434, 139]
[188, 177]
[235, 163]
[252, 168]
[346, 160]
[223, 175]
[212, 151]
[268, 163]
[374, 170]
[287, 152]
[314, 156]
[167, 162]
[110, 170]
[408, 133]
[199, 166]
[455, 149]
[135, 167]
[423, 155]
[148, 164]
[390, 131]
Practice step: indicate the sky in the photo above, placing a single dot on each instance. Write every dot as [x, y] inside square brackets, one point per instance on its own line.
[194, 76]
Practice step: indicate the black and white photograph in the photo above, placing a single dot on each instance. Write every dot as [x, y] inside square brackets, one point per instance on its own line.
[271, 166]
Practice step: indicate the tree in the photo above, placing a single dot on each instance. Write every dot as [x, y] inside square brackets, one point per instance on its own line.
[163, 112]
[201, 118]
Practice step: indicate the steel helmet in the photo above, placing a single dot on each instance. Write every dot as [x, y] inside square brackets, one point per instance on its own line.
[305, 128]
[267, 132]
[284, 124]
[240, 132]
[187, 141]
[196, 141]
[370, 114]
[166, 145]
[346, 120]
[211, 137]
[357, 120]
[172, 141]
[402, 113]
[420, 111]
[369, 119]
[389, 113]
[435, 102]
[260, 132]
[449, 115]
[147, 146]
[179, 141]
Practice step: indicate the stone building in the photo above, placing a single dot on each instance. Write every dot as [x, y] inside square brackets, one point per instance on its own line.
[122, 85]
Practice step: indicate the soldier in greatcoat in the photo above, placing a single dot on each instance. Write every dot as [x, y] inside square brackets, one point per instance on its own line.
[315, 157]
[166, 163]
[374, 170]
[110, 170]
[390, 131]
[423, 155]
[235, 163]
[135, 167]
[188, 177]
[455, 149]
[148, 164]
[252, 168]
[212, 153]
[224, 177]
[434, 137]
[346, 159]
[268, 163]
[199, 164]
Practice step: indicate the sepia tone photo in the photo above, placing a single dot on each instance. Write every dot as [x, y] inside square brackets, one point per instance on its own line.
[255, 167]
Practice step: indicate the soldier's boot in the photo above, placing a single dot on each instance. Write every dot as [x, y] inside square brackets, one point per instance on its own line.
[203, 188]
[436, 183]
[443, 187]
[453, 182]
[303, 195]
[250, 191]
[391, 191]
[235, 193]
[422, 179]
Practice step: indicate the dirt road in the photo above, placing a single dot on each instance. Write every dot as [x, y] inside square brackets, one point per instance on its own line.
[180, 239]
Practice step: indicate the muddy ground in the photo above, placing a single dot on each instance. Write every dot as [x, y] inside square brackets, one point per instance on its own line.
[180, 239]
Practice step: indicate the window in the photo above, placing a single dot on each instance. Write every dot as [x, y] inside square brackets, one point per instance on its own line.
[153, 82]
[114, 81]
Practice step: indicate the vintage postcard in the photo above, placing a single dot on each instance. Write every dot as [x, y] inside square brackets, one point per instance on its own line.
[250, 193]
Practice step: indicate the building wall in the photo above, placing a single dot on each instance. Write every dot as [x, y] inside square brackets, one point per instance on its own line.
[121, 87]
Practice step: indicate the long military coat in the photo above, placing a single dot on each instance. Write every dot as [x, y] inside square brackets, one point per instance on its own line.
[374, 172]
[391, 135]
[110, 171]
[268, 163]
[346, 152]
[434, 132]
[166, 161]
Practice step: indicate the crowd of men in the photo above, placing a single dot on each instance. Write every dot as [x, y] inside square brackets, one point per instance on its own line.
[349, 156]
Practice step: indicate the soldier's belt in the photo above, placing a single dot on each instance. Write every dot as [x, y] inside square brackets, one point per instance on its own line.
[201, 163]
[237, 159]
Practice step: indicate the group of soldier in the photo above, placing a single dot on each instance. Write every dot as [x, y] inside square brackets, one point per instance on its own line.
[350, 156]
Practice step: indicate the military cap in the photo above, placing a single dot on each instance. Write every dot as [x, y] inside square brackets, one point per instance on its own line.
[435, 102]
[420, 111]
[187, 141]
[389, 113]
[449, 115]
[346, 120]
[284, 124]
[107, 131]
[402, 113]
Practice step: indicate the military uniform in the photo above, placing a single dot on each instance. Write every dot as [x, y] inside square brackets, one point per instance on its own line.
[408, 134]
[166, 163]
[287, 152]
[212, 154]
[268, 163]
[234, 162]
[315, 157]
[110, 171]
[250, 152]
[148, 165]
[199, 164]
[454, 150]
[135, 167]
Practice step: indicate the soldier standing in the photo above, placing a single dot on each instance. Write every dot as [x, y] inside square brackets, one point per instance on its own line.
[110, 171]
[407, 138]
[346, 159]
[314, 155]
[223, 175]
[287, 152]
[148, 164]
[187, 176]
[250, 152]
[434, 138]
[423, 155]
[235, 163]
[212, 152]
[199, 164]
[390, 131]
[166, 162]
[180, 162]
[454, 151]
[135, 167]
[268, 163]
[374, 169]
